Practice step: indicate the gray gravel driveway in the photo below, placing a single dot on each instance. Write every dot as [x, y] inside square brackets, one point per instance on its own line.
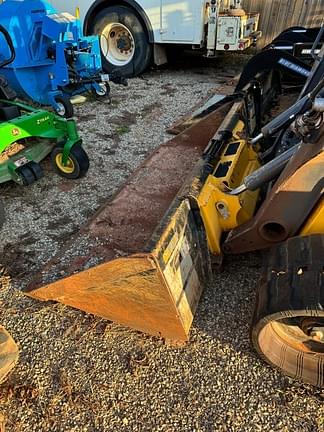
[79, 373]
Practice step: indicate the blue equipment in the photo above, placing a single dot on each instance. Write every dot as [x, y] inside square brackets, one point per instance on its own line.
[54, 61]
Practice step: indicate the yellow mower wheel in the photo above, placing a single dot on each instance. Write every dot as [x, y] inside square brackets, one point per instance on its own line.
[66, 169]
[77, 164]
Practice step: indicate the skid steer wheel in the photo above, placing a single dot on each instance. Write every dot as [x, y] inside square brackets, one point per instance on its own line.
[288, 323]
[65, 107]
[2, 214]
[124, 43]
[77, 164]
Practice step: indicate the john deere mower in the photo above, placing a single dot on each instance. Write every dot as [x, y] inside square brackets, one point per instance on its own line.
[233, 182]
[28, 135]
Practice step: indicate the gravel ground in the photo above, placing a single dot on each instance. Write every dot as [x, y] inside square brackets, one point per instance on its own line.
[81, 373]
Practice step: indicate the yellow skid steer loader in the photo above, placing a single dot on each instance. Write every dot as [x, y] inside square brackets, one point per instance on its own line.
[232, 182]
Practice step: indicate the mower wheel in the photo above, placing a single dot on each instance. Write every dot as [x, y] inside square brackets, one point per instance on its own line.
[65, 107]
[36, 169]
[2, 214]
[77, 164]
[26, 173]
[103, 93]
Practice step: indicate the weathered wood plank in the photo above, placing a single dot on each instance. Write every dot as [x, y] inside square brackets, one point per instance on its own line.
[277, 15]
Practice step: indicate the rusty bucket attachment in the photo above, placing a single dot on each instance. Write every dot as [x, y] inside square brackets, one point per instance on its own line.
[143, 258]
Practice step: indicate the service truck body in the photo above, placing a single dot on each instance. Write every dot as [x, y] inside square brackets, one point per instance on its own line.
[199, 24]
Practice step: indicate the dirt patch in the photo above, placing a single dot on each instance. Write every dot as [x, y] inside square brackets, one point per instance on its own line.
[150, 109]
[125, 119]
[85, 118]
[168, 90]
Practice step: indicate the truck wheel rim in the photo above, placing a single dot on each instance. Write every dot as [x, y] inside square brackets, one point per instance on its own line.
[117, 44]
[66, 169]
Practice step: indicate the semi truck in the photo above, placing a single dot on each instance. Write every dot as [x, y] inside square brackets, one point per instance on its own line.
[136, 33]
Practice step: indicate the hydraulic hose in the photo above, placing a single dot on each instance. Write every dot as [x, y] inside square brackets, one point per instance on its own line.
[266, 173]
[11, 47]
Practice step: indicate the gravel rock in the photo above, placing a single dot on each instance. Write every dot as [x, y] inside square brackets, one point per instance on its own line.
[80, 373]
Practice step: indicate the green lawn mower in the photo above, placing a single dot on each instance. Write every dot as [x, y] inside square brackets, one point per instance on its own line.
[28, 135]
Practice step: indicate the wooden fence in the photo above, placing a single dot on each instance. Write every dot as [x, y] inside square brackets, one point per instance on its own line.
[276, 15]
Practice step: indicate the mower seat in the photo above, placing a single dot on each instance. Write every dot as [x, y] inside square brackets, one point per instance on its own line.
[6, 92]
[8, 112]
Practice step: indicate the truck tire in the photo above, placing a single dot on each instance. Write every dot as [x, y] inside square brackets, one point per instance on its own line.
[2, 214]
[288, 325]
[129, 52]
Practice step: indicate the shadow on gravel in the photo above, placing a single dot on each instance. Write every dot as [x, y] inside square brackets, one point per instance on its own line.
[226, 308]
[226, 64]
[224, 315]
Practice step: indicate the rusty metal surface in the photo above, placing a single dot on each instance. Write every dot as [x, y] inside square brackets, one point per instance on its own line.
[130, 291]
[292, 198]
[125, 223]
[108, 268]
[156, 292]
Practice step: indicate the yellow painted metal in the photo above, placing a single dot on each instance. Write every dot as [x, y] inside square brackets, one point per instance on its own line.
[220, 211]
[315, 222]
[68, 168]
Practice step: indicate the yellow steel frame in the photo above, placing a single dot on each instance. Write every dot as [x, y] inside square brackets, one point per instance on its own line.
[220, 211]
[315, 222]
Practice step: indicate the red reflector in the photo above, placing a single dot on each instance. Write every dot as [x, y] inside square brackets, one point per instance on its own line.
[226, 47]
[241, 45]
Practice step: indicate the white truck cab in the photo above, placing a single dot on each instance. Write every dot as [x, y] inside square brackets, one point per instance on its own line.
[134, 33]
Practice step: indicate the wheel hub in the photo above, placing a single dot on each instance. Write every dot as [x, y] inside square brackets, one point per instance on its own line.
[67, 168]
[313, 329]
[117, 44]
[124, 43]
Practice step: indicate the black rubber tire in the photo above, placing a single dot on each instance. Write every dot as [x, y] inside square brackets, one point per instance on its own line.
[143, 49]
[27, 175]
[102, 96]
[290, 300]
[2, 214]
[80, 160]
[67, 105]
[36, 169]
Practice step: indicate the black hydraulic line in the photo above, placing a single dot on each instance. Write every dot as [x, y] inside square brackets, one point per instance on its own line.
[267, 172]
[224, 133]
[317, 73]
[284, 119]
[316, 42]
[313, 86]
[11, 47]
